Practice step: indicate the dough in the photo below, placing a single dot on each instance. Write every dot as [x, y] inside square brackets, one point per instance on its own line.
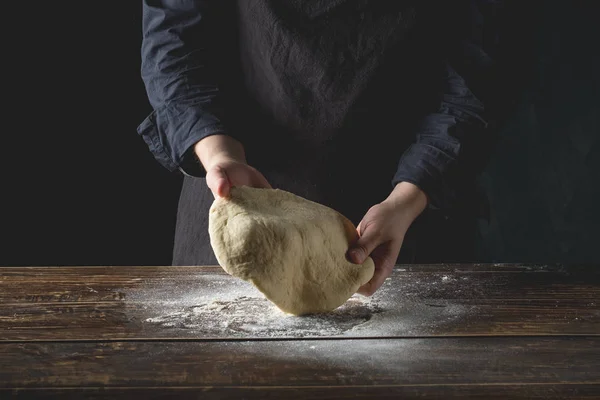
[292, 249]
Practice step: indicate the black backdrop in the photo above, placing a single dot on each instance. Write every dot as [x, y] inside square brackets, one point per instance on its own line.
[80, 188]
[83, 188]
[544, 181]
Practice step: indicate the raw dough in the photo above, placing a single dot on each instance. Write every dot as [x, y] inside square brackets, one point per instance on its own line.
[292, 249]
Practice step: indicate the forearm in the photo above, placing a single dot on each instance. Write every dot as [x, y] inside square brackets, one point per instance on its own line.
[409, 200]
[218, 147]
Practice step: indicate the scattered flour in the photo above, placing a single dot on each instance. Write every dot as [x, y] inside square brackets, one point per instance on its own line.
[218, 306]
[257, 316]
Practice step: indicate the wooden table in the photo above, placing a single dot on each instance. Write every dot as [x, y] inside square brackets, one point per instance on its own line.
[444, 331]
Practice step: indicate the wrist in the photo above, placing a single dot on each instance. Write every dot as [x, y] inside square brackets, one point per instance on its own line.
[217, 148]
[409, 198]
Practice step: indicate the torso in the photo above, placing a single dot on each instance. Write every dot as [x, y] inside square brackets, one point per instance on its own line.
[323, 95]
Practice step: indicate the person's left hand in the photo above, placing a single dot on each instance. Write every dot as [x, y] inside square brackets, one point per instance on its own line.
[382, 229]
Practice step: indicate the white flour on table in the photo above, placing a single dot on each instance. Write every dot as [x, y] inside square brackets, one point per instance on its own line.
[257, 316]
[226, 307]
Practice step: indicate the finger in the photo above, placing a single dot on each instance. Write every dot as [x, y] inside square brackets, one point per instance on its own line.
[223, 187]
[376, 281]
[364, 246]
[218, 182]
[384, 259]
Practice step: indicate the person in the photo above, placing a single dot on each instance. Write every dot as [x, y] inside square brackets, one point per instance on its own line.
[381, 110]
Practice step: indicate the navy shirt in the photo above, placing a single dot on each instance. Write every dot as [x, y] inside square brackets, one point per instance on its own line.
[404, 90]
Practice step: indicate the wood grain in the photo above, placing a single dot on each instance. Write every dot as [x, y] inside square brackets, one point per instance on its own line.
[369, 392]
[449, 331]
[131, 321]
[74, 303]
[330, 362]
[95, 284]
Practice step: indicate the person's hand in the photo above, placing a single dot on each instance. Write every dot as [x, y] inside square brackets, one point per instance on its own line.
[382, 230]
[224, 160]
[225, 173]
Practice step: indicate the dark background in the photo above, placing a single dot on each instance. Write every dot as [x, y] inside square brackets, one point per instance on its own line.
[79, 186]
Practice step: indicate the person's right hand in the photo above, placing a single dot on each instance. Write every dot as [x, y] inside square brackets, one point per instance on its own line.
[225, 173]
[224, 160]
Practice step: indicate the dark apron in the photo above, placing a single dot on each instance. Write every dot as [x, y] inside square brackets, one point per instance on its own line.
[306, 89]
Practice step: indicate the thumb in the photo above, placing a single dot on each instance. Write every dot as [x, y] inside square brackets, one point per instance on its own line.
[364, 246]
[218, 182]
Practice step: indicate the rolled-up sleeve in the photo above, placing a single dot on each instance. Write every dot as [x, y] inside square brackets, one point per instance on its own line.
[438, 162]
[454, 134]
[180, 82]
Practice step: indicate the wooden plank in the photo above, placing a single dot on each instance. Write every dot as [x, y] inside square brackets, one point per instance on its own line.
[74, 321]
[94, 284]
[526, 391]
[125, 273]
[312, 363]
[204, 302]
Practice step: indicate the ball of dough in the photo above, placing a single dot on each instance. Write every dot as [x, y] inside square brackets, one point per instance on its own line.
[292, 249]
